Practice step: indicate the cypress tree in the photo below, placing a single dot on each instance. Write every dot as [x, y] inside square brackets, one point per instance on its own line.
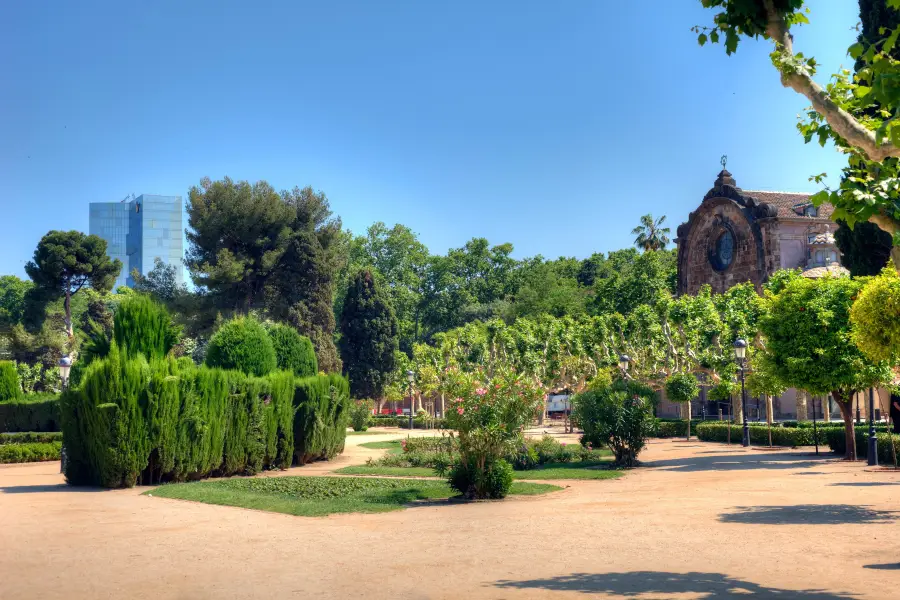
[369, 336]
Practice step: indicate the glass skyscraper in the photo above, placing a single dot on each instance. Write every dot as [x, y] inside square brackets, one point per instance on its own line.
[140, 230]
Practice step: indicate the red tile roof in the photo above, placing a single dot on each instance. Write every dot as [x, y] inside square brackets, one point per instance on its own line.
[786, 202]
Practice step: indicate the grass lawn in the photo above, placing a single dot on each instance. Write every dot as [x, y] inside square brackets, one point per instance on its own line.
[369, 432]
[582, 470]
[393, 446]
[319, 496]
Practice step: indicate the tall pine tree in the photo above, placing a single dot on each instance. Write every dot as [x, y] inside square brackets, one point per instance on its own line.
[369, 336]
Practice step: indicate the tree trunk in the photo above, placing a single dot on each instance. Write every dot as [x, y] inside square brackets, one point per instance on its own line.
[826, 408]
[68, 306]
[802, 414]
[443, 415]
[770, 417]
[686, 415]
[846, 406]
[737, 409]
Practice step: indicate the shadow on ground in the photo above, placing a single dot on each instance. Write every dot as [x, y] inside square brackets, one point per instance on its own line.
[866, 483]
[737, 462]
[640, 583]
[807, 514]
[884, 567]
[61, 488]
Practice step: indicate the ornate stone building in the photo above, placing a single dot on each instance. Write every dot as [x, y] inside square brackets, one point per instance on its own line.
[739, 235]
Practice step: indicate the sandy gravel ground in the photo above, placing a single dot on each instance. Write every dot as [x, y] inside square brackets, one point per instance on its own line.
[700, 521]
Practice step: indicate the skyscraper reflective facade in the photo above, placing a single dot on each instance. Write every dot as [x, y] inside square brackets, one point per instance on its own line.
[139, 231]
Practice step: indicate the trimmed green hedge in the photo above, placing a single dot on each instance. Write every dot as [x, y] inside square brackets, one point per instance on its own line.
[837, 441]
[130, 420]
[669, 428]
[403, 422]
[759, 434]
[242, 344]
[29, 437]
[31, 412]
[29, 452]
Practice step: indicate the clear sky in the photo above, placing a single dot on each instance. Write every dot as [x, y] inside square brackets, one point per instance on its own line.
[551, 125]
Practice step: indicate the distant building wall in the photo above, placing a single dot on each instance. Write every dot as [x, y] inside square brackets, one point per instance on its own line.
[139, 231]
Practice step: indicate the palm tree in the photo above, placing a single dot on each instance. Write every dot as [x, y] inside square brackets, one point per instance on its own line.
[650, 234]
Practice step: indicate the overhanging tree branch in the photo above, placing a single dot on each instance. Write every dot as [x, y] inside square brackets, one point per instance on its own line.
[800, 80]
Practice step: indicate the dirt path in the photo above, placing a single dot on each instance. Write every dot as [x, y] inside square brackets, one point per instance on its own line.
[700, 521]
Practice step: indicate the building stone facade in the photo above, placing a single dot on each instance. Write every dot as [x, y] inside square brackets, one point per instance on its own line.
[735, 236]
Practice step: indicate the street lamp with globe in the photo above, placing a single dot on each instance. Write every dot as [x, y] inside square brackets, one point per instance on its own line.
[740, 353]
[411, 377]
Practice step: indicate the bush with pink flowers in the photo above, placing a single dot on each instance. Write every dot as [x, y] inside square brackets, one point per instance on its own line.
[489, 411]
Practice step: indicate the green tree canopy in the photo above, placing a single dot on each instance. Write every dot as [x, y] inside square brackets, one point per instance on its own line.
[651, 235]
[65, 262]
[808, 343]
[368, 336]
[13, 295]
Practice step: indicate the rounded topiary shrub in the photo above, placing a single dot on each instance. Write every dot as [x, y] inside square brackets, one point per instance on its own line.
[293, 352]
[9, 381]
[242, 344]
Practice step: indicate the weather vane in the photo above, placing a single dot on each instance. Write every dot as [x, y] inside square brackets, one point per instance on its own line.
[724, 160]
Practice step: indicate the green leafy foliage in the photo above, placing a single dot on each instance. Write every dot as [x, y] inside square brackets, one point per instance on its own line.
[30, 437]
[254, 248]
[293, 352]
[143, 326]
[13, 294]
[875, 316]
[9, 381]
[318, 496]
[131, 421]
[30, 412]
[808, 342]
[865, 249]
[682, 387]
[651, 235]
[619, 417]
[29, 452]
[66, 261]
[242, 344]
[368, 336]
[759, 434]
[361, 414]
[322, 412]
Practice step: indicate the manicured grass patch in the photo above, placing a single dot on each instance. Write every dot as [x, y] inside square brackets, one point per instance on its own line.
[392, 445]
[388, 471]
[369, 431]
[29, 452]
[319, 496]
[597, 469]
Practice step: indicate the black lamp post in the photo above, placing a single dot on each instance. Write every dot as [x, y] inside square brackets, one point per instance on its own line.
[873, 442]
[740, 353]
[411, 377]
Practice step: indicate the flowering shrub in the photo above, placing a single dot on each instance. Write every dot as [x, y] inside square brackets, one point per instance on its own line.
[489, 412]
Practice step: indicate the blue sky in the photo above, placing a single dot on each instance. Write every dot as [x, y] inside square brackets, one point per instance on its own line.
[551, 125]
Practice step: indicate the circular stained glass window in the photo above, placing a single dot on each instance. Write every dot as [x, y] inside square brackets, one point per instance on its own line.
[723, 252]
